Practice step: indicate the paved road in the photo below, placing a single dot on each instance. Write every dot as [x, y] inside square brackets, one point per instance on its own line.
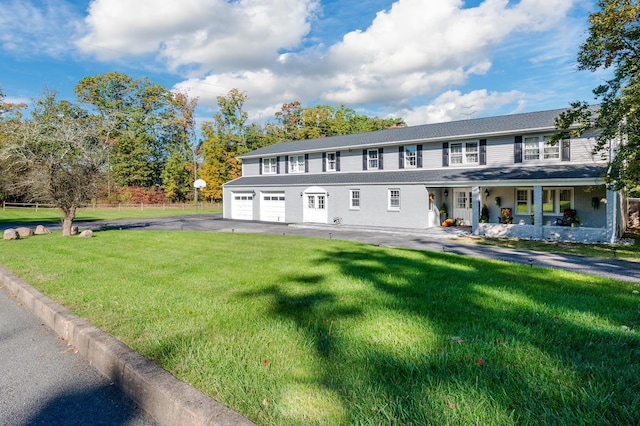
[43, 381]
[438, 239]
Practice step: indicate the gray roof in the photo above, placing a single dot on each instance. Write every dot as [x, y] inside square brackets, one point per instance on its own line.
[474, 128]
[449, 176]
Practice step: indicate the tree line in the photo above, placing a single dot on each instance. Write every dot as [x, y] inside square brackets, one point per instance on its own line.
[127, 137]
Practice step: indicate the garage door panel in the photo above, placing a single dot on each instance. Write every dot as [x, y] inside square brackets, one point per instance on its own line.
[242, 207]
[272, 207]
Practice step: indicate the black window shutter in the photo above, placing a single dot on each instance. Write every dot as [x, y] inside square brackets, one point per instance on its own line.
[401, 157]
[306, 163]
[338, 161]
[286, 164]
[261, 165]
[517, 150]
[565, 152]
[419, 156]
[445, 154]
[483, 152]
[380, 156]
[324, 161]
[278, 165]
[364, 159]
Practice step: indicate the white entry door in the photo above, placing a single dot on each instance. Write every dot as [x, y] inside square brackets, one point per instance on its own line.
[462, 205]
[315, 207]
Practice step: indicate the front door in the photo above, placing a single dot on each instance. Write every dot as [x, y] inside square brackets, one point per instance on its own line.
[315, 207]
[462, 205]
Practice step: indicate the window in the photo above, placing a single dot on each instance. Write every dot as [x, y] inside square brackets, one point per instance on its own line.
[410, 156]
[463, 153]
[554, 200]
[296, 164]
[462, 202]
[372, 156]
[394, 199]
[534, 145]
[320, 202]
[331, 162]
[566, 199]
[355, 199]
[269, 166]
[524, 198]
[311, 201]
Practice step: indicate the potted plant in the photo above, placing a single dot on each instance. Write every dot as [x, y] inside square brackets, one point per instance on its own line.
[443, 211]
[498, 201]
[484, 214]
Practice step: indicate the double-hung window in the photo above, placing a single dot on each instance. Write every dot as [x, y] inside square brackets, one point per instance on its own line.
[410, 156]
[331, 161]
[554, 200]
[355, 199]
[269, 166]
[461, 153]
[372, 159]
[540, 148]
[394, 199]
[296, 164]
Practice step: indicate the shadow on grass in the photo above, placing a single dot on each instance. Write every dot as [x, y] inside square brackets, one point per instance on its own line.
[473, 343]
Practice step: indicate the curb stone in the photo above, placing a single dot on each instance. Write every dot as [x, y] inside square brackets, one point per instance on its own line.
[168, 400]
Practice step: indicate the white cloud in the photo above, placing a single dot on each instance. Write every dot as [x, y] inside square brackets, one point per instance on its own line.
[453, 105]
[28, 29]
[212, 35]
[413, 51]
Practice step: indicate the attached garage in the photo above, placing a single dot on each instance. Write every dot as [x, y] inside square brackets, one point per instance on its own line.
[272, 207]
[242, 206]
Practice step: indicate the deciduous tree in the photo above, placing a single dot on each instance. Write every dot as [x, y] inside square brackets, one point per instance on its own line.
[60, 153]
[613, 44]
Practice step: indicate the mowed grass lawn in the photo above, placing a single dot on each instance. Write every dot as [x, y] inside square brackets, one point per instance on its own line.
[301, 331]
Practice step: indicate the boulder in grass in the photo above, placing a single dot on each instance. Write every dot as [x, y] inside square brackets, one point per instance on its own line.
[42, 230]
[87, 233]
[23, 231]
[74, 230]
[11, 234]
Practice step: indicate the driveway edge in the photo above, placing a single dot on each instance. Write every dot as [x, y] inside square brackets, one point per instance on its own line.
[168, 400]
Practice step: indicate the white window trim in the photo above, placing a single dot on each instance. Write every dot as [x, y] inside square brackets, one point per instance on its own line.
[407, 163]
[543, 142]
[295, 166]
[464, 154]
[369, 159]
[351, 199]
[389, 198]
[328, 162]
[269, 166]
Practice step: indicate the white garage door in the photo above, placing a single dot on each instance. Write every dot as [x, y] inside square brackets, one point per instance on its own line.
[272, 207]
[242, 207]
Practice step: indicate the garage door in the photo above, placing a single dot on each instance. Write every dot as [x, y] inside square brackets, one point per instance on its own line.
[272, 207]
[242, 207]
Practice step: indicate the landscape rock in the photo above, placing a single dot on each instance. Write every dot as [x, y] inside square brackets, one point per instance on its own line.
[11, 234]
[23, 231]
[74, 230]
[42, 230]
[87, 233]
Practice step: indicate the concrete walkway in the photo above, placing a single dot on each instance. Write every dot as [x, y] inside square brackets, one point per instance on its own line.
[44, 381]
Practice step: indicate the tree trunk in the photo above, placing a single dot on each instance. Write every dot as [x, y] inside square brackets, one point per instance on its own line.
[67, 221]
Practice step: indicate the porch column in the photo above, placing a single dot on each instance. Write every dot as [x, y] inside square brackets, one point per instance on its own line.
[475, 208]
[612, 216]
[537, 212]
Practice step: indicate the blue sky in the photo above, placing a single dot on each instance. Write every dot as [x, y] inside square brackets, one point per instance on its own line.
[423, 60]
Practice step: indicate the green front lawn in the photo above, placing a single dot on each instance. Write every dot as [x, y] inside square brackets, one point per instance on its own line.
[29, 216]
[300, 331]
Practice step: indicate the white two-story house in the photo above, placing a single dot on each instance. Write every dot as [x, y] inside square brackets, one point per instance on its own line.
[401, 178]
